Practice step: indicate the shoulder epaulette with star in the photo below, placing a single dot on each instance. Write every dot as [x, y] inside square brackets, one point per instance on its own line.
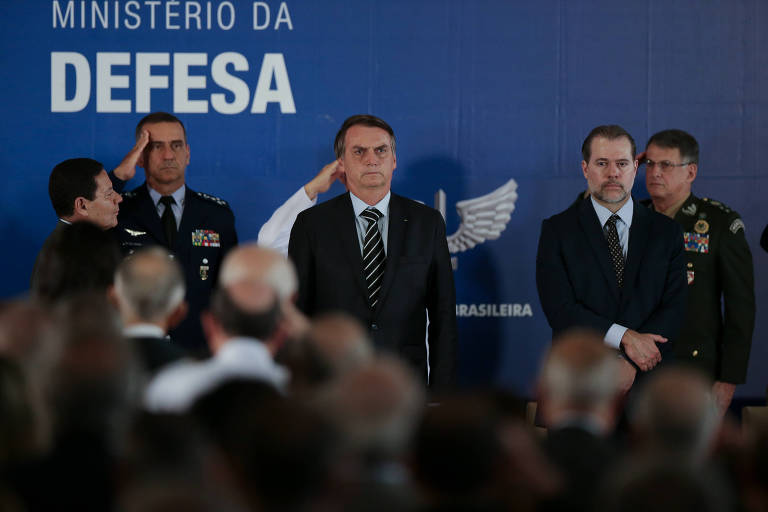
[213, 199]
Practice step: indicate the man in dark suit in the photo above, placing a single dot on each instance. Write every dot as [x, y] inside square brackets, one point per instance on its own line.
[378, 256]
[149, 292]
[80, 190]
[610, 264]
[197, 228]
[719, 265]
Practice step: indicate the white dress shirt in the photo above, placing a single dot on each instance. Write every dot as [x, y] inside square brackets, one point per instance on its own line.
[616, 331]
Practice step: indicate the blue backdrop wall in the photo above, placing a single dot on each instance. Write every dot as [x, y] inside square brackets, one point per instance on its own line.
[478, 93]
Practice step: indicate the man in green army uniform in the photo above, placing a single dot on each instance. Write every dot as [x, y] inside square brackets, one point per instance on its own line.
[717, 334]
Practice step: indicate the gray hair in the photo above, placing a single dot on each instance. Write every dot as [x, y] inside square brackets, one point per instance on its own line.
[580, 370]
[149, 284]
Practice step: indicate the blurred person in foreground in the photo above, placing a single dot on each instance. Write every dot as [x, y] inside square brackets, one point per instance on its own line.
[245, 327]
[149, 293]
[580, 397]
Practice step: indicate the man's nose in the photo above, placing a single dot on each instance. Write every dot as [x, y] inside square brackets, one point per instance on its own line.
[369, 158]
[119, 198]
[168, 153]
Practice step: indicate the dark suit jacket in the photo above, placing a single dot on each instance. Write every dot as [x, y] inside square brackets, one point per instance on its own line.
[577, 283]
[206, 234]
[417, 278]
[35, 279]
[584, 459]
[155, 353]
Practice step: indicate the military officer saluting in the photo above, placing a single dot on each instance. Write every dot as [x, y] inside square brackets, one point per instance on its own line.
[197, 228]
[717, 334]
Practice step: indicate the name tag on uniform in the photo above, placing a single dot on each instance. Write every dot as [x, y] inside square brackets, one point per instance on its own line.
[695, 242]
[205, 238]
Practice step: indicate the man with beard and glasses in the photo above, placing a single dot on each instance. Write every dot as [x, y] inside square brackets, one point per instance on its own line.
[610, 264]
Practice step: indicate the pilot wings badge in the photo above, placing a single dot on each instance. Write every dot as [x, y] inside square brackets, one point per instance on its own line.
[133, 232]
[482, 218]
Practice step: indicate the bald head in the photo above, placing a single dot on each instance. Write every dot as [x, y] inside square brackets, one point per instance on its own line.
[249, 262]
[149, 285]
[246, 308]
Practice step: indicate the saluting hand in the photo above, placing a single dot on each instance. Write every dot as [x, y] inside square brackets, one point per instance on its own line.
[127, 168]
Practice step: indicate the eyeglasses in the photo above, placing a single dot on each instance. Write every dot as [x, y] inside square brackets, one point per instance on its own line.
[664, 165]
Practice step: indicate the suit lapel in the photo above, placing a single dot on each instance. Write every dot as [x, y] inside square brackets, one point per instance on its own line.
[395, 237]
[590, 225]
[638, 241]
[350, 244]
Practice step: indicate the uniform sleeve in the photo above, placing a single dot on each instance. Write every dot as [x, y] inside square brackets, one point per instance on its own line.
[735, 268]
[117, 184]
[276, 232]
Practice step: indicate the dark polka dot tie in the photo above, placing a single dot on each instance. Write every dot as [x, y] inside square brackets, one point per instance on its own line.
[617, 255]
[373, 255]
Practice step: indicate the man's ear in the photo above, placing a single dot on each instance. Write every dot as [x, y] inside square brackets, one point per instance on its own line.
[80, 206]
[693, 170]
[584, 165]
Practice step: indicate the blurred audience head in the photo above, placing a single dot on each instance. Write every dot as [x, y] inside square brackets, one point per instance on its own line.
[375, 408]
[663, 484]
[280, 451]
[578, 382]
[22, 436]
[243, 309]
[171, 464]
[675, 413]
[77, 258]
[94, 384]
[342, 341]
[149, 288]
[335, 345]
[249, 262]
[470, 453]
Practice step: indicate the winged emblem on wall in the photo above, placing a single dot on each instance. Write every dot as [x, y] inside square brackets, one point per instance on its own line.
[482, 218]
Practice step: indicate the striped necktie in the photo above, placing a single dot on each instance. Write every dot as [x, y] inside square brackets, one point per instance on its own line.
[373, 255]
